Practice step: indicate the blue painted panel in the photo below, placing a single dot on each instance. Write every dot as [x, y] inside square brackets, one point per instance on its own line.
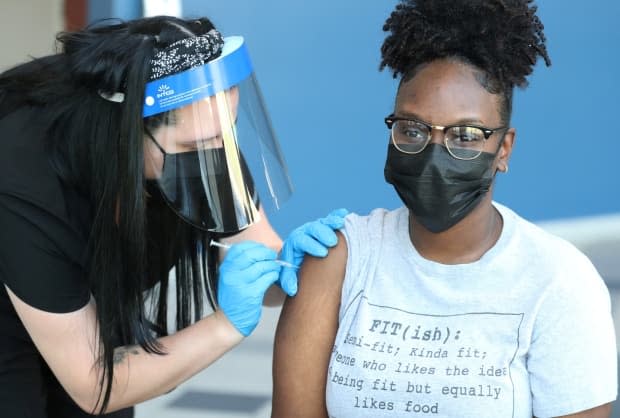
[121, 9]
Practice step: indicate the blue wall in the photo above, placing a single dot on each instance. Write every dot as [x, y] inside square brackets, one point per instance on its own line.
[103, 9]
[317, 62]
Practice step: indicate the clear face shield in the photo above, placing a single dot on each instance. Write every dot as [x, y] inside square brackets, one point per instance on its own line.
[211, 147]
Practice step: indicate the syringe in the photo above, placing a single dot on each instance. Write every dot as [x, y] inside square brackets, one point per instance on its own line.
[215, 243]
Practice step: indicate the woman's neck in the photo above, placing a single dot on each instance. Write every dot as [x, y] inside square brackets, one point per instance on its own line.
[465, 242]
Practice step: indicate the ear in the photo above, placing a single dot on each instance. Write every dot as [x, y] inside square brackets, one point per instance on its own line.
[505, 150]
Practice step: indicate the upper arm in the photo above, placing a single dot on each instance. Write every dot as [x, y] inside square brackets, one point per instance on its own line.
[305, 336]
[67, 342]
[41, 269]
[261, 231]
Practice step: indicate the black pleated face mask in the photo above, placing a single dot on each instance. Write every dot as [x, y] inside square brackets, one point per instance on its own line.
[183, 187]
[439, 189]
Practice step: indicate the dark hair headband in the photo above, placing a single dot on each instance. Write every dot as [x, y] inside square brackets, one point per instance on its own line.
[185, 54]
[179, 56]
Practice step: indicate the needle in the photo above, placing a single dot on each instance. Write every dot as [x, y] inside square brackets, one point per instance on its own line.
[215, 243]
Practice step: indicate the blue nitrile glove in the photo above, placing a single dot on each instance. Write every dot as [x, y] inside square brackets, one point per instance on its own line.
[247, 271]
[313, 238]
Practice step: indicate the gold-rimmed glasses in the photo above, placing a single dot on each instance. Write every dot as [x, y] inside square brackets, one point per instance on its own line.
[463, 142]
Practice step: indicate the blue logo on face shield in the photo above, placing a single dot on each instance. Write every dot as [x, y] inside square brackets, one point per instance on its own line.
[164, 90]
[184, 88]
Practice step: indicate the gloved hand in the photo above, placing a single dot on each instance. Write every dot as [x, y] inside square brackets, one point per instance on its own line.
[313, 238]
[247, 271]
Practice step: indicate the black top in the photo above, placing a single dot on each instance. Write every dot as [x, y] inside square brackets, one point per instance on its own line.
[44, 226]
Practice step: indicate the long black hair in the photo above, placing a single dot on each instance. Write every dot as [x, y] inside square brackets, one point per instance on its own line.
[96, 146]
[503, 38]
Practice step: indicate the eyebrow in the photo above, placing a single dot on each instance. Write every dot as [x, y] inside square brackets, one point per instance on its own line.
[460, 122]
[198, 141]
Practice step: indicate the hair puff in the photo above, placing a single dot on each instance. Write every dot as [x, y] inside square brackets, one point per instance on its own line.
[503, 38]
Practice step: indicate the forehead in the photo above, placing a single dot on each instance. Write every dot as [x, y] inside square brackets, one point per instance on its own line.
[207, 109]
[447, 91]
[188, 125]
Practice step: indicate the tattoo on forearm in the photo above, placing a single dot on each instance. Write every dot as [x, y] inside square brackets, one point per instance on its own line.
[121, 352]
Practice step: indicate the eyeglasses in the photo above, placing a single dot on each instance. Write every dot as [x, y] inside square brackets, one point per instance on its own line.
[463, 142]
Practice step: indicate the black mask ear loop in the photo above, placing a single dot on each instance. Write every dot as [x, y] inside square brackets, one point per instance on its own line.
[160, 148]
[150, 135]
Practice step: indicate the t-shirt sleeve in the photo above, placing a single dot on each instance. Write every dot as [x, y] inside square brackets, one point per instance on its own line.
[362, 234]
[572, 360]
[354, 232]
[41, 257]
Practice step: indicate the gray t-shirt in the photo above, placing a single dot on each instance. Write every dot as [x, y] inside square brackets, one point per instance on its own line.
[526, 330]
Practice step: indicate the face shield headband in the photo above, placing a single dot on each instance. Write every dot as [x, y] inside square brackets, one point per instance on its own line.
[213, 149]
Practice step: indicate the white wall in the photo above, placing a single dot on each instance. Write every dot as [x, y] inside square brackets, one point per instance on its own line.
[28, 28]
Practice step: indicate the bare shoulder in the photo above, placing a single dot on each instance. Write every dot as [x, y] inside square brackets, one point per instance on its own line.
[320, 285]
[322, 277]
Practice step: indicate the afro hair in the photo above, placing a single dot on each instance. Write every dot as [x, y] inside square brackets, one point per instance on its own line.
[503, 38]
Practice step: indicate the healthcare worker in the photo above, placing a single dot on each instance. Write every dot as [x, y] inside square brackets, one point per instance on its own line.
[138, 148]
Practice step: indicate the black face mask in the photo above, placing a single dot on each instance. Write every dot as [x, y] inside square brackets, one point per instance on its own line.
[181, 186]
[439, 189]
